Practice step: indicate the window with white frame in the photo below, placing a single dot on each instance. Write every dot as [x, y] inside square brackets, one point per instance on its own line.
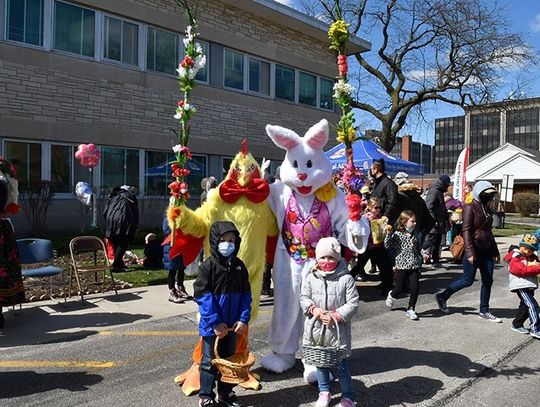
[26, 157]
[307, 89]
[162, 51]
[65, 170]
[202, 75]
[285, 83]
[120, 40]
[119, 166]
[25, 21]
[157, 173]
[234, 69]
[259, 76]
[326, 100]
[74, 29]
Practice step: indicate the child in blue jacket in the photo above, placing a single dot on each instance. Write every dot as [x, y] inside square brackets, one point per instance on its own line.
[223, 293]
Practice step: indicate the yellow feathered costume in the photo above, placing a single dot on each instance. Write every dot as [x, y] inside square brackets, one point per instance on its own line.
[241, 199]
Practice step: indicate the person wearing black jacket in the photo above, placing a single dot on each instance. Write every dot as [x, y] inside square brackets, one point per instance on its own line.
[121, 221]
[223, 294]
[437, 209]
[386, 190]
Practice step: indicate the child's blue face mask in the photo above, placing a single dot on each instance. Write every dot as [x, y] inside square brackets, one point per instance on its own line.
[226, 248]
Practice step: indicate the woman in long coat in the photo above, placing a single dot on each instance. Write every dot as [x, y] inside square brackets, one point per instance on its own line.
[11, 285]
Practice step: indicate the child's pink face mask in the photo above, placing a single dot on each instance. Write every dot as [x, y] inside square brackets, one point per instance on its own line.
[327, 265]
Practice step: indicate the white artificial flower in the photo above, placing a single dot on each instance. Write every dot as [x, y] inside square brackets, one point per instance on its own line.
[198, 48]
[186, 42]
[342, 88]
[177, 148]
[200, 62]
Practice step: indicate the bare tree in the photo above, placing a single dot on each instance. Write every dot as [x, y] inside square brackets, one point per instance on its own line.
[451, 51]
[35, 203]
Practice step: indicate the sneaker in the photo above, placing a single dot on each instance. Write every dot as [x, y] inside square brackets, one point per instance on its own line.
[173, 297]
[324, 399]
[390, 300]
[436, 265]
[535, 334]
[347, 403]
[208, 403]
[411, 315]
[441, 303]
[182, 293]
[520, 329]
[488, 316]
[229, 400]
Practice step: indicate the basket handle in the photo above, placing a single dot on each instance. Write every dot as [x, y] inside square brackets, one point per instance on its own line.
[216, 353]
[321, 339]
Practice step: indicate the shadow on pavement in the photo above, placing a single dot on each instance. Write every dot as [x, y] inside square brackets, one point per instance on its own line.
[35, 326]
[23, 383]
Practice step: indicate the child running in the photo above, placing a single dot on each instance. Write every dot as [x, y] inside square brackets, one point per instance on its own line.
[405, 242]
[330, 290]
[524, 268]
[223, 293]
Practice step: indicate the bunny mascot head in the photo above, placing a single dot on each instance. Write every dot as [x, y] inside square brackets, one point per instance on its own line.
[307, 207]
[305, 168]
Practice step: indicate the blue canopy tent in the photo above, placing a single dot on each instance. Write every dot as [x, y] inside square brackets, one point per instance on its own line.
[365, 152]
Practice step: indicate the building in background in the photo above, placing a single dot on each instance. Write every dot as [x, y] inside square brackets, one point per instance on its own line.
[105, 73]
[415, 152]
[485, 129]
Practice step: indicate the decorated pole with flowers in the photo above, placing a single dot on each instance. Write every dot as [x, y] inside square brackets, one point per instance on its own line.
[194, 60]
[352, 177]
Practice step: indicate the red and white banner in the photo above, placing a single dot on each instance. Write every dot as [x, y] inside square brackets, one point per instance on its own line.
[460, 175]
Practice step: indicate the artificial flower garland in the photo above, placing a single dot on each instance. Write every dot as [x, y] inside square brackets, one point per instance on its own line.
[351, 177]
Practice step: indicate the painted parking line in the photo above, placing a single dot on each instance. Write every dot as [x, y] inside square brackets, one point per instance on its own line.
[149, 333]
[92, 364]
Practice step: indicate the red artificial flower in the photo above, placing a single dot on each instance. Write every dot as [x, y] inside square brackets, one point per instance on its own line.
[354, 202]
[187, 62]
[180, 103]
[342, 65]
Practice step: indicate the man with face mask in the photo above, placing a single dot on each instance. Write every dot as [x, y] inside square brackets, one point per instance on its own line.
[481, 250]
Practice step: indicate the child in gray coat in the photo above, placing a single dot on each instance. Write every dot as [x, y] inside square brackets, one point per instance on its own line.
[329, 291]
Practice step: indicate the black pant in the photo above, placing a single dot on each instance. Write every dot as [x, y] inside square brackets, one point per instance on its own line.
[120, 244]
[267, 278]
[379, 257]
[433, 244]
[528, 308]
[177, 275]
[413, 277]
[209, 373]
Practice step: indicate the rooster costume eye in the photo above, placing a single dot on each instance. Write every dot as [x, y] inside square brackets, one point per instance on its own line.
[309, 164]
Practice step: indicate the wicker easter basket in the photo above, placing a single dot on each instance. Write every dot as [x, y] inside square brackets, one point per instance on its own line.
[235, 368]
[320, 355]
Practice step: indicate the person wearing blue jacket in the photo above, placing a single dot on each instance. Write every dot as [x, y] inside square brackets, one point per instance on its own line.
[223, 294]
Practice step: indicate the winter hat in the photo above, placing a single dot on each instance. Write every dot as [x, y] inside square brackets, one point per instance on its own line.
[529, 241]
[149, 237]
[365, 190]
[445, 179]
[401, 178]
[328, 246]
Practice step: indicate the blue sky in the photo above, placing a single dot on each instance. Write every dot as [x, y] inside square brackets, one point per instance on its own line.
[524, 16]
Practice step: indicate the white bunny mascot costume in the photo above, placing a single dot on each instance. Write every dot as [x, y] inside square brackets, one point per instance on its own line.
[307, 207]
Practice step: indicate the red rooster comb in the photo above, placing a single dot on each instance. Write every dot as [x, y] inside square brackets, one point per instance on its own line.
[244, 147]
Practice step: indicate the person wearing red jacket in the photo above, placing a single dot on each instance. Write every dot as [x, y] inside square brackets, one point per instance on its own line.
[523, 268]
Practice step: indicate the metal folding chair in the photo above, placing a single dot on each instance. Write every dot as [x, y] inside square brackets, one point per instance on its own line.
[89, 255]
[39, 252]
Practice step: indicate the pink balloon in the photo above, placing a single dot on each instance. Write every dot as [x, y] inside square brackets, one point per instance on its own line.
[88, 155]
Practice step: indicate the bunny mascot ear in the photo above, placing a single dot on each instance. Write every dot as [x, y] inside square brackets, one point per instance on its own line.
[282, 137]
[317, 136]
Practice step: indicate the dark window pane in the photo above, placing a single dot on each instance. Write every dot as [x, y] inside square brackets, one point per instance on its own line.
[327, 89]
[74, 29]
[26, 157]
[254, 72]
[202, 75]
[162, 51]
[307, 93]
[113, 39]
[25, 21]
[61, 164]
[119, 167]
[129, 43]
[285, 83]
[234, 70]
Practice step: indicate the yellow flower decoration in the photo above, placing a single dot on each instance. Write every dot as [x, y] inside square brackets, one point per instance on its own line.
[347, 136]
[338, 34]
